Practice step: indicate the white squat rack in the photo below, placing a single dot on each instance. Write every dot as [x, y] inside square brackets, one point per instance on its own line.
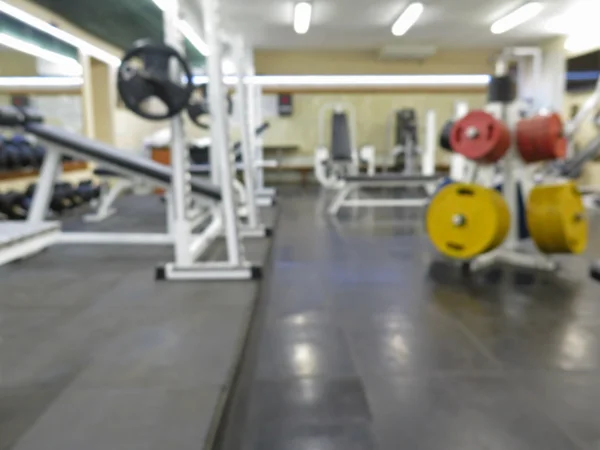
[220, 216]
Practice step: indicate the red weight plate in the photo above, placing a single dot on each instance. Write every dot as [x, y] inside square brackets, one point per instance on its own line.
[540, 138]
[479, 136]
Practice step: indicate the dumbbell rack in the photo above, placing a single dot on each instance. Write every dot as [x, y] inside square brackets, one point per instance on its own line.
[68, 166]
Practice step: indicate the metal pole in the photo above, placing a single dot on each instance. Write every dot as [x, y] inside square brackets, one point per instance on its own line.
[247, 133]
[180, 186]
[459, 162]
[51, 169]
[428, 157]
[219, 129]
[252, 112]
[510, 180]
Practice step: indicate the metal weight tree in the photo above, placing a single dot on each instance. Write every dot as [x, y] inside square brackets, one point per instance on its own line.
[515, 172]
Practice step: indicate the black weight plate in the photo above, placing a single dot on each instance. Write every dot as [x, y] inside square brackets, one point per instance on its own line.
[196, 111]
[151, 79]
[445, 135]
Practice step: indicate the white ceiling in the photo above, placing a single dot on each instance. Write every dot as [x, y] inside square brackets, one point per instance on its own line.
[366, 24]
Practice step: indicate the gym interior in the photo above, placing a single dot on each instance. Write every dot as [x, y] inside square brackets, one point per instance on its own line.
[315, 224]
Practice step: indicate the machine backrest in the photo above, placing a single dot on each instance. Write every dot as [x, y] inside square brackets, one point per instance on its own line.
[341, 145]
[406, 127]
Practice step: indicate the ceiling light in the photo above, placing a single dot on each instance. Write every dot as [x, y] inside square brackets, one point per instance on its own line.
[41, 82]
[187, 30]
[519, 16]
[372, 80]
[44, 26]
[302, 15]
[407, 19]
[68, 65]
[580, 42]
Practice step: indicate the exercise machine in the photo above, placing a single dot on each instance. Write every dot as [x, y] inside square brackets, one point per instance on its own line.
[351, 193]
[404, 141]
[114, 185]
[342, 158]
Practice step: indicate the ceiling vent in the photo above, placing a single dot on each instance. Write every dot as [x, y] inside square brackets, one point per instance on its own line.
[414, 52]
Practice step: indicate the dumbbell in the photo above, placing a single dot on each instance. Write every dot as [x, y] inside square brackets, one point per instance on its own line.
[9, 156]
[26, 157]
[68, 191]
[88, 191]
[445, 135]
[58, 202]
[39, 153]
[11, 205]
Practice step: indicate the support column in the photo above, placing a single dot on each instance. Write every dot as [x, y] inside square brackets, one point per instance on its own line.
[180, 183]
[219, 129]
[247, 128]
[99, 99]
[552, 80]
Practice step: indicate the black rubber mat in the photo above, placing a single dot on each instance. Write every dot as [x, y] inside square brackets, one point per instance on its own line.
[367, 340]
[94, 354]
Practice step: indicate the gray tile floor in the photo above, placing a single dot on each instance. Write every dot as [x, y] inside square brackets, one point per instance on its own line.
[95, 354]
[367, 341]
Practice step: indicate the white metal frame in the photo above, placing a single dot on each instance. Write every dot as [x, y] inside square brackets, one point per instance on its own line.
[181, 216]
[18, 241]
[351, 195]
[265, 196]
[245, 113]
[109, 193]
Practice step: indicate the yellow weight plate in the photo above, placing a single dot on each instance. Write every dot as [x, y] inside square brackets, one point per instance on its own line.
[466, 220]
[556, 219]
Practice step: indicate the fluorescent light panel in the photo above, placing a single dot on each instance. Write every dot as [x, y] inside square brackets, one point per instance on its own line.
[302, 16]
[519, 16]
[358, 80]
[407, 19]
[371, 80]
[187, 30]
[68, 65]
[42, 82]
[41, 25]
[290, 80]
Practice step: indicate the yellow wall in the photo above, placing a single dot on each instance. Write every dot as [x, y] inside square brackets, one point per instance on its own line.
[17, 64]
[280, 62]
[372, 116]
[373, 108]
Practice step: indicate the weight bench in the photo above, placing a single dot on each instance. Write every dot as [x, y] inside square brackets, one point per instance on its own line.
[349, 195]
[191, 261]
[110, 192]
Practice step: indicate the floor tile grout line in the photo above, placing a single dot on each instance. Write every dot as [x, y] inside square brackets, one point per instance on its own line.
[474, 340]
